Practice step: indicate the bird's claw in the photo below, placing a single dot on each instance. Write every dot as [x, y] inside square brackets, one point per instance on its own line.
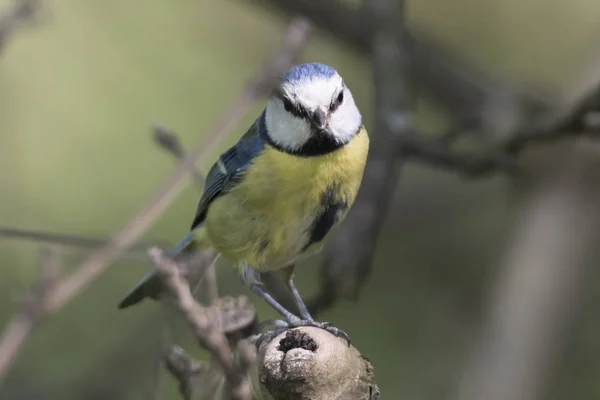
[281, 326]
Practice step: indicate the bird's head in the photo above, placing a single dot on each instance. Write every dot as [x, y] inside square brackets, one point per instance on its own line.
[311, 112]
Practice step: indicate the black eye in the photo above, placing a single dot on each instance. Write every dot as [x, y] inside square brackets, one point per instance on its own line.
[338, 100]
[287, 104]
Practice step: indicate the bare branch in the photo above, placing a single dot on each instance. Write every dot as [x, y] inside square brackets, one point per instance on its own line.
[197, 379]
[347, 257]
[32, 310]
[207, 323]
[210, 283]
[169, 141]
[22, 11]
[205, 380]
[86, 242]
[465, 90]
[574, 116]
[15, 334]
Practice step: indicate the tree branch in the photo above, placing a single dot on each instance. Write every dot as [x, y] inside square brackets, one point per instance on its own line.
[169, 141]
[32, 309]
[20, 12]
[206, 322]
[86, 242]
[463, 89]
[347, 256]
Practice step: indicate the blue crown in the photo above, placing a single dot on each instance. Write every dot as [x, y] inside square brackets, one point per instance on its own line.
[301, 72]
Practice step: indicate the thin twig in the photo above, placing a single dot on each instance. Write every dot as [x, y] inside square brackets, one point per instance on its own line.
[98, 261]
[573, 118]
[32, 309]
[169, 141]
[186, 371]
[207, 325]
[210, 282]
[87, 242]
[15, 334]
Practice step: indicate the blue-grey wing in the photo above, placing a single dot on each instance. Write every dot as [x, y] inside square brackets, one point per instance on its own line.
[228, 170]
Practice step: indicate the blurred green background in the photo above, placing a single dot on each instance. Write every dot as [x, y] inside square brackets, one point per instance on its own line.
[78, 94]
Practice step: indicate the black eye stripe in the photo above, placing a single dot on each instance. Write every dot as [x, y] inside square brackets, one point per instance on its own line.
[339, 99]
[298, 111]
[294, 108]
[287, 104]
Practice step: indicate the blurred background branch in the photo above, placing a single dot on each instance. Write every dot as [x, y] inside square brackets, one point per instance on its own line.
[20, 13]
[456, 83]
[137, 251]
[207, 324]
[541, 284]
[347, 257]
[32, 310]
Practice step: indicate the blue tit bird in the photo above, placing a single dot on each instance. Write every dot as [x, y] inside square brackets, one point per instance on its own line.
[274, 197]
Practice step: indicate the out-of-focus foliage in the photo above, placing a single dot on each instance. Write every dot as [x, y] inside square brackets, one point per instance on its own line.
[77, 97]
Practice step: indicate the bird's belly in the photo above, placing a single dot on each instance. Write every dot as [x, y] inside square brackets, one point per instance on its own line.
[247, 235]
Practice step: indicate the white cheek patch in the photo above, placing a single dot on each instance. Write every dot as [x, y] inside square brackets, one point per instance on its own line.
[285, 129]
[346, 120]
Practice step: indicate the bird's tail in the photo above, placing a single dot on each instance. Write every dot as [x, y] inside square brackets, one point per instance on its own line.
[150, 285]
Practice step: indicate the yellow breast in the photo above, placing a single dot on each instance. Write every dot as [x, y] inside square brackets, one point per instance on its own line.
[265, 221]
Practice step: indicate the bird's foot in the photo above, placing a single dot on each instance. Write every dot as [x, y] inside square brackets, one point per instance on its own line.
[280, 326]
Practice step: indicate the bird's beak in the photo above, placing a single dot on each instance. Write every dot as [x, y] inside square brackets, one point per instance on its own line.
[319, 119]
